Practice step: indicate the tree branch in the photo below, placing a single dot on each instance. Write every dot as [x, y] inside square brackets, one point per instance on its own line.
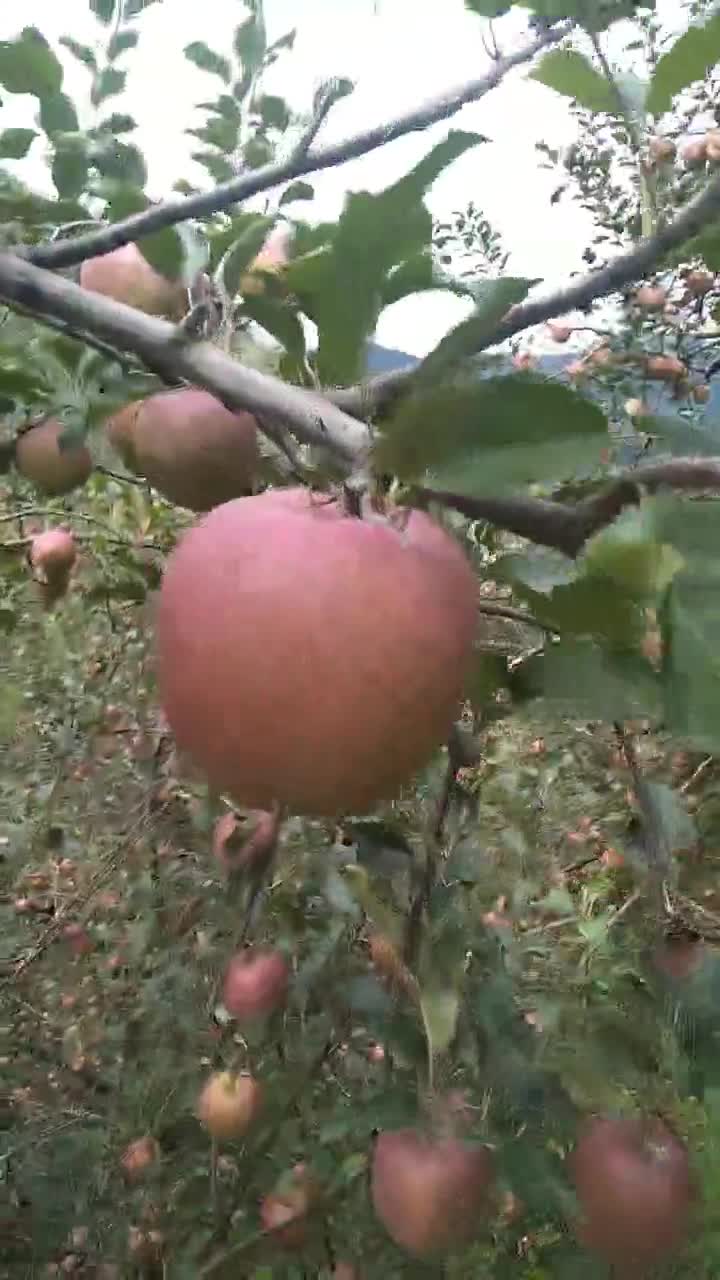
[166, 351]
[568, 527]
[70, 252]
[380, 392]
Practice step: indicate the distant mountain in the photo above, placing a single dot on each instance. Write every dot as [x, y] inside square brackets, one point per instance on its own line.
[387, 359]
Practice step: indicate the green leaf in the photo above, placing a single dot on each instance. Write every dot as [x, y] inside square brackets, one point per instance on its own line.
[121, 161]
[134, 7]
[440, 1008]
[507, 427]
[110, 81]
[120, 43]
[207, 60]
[470, 335]
[373, 235]
[588, 606]
[296, 191]
[690, 58]
[104, 10]
[249, 45]
[489, 8]
[571, 74]
[629, 553]
[123, 199]
[58, 115]
[242, 252]
[488, 675]
[165, 251]
[582, 679]
[70, 170]
[118, 123]
[681, 436]
[15, 143]
[279, 320]
[28, 65]
[217, 166]
[79, 51]
[273, 111]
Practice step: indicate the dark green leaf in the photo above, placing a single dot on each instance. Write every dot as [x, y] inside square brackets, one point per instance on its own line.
[540, 569]
[70, 171]
[134, 7]
[571, 74]
[589, 606]
[516, 418]
[219, 132]
[122, 162]
[297, 191]
[257, 152]
[692, 55]
[489, 8]
[273, 111]
[120, 43]
[80, 51]
[118, 123]
[58, 115]
[489, 674]
[207, 60]
[123, 199]
[226, 107]
[238, 256]
[284, 42]
[28, 65]
[104, 10]
[15, 143]
[470, 335]
[681, 436]
[110, 81]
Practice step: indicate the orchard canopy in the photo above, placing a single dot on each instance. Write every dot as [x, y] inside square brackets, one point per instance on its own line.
[359, 807]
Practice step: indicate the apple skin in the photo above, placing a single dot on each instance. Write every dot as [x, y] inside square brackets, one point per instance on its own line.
[284, 1211]
[635, 1189]
[228, 1104]
[255, 984]
[430, 1195]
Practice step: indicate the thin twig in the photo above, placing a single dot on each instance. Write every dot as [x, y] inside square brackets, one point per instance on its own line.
[700, 772]
[171, 212]
[493, 610]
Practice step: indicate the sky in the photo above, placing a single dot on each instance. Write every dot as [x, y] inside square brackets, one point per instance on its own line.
[399, 53]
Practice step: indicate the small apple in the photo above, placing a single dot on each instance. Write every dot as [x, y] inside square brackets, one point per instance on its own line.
[651, 297]
[559, 332]
[228, 1104]
[694, 154]
[701, 393]
[698, 283]
[284, 1211]
[712, 145]
[430, 1195]
[662, 150]
[139, 1156]
[665, 368]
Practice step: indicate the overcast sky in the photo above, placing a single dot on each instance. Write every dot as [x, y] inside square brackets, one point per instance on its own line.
[398, 52]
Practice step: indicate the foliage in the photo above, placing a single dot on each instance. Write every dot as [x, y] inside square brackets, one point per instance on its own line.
[510, 932]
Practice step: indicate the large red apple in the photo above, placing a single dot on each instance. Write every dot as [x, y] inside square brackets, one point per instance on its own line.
[255, 984]
[52, 469]
[308, 657]
[126, 275]
[430, 1195]
[634, 1187]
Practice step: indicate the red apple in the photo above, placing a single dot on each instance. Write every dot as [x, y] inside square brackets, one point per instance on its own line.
[634, 1187]
[228, 1104]
[430, 1195]
[255, 984]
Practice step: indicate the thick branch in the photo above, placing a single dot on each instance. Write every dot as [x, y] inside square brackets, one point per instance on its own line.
[623, 270]
[68, 253]
[164, 350]
[568, 527]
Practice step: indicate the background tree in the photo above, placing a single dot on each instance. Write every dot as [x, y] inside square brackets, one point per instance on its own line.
[359, 893]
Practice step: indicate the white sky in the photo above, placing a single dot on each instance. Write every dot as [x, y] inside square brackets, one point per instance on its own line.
[399, 52]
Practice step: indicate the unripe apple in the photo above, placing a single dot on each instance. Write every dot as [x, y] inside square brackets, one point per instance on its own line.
[651, 297]
[635, 1190]
[139, 1156]
[694, 153]
[430, 1196]
[255, 984]
[228, 1104]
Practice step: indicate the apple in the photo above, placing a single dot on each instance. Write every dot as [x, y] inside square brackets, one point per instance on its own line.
[634, 1187]
[430, 1195]
[228, 1104]
[255, 984]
